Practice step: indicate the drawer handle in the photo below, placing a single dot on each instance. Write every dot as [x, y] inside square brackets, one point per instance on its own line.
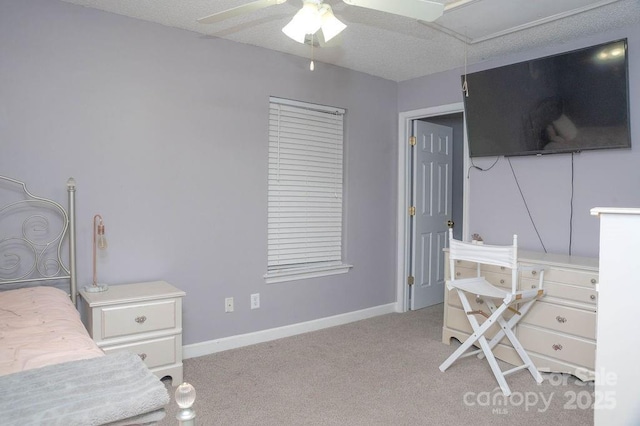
[534, 272]
[142, 356]
[557, 347]
[593, 280]
[560, 319]
[458, 274]
[479, 300]
[141, 320]
[502, 268]
[501, 281]
[592, 297]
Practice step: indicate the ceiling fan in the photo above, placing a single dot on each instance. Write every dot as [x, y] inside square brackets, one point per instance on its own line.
[316, 15]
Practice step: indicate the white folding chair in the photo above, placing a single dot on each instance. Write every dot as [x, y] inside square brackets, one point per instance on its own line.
[516, 301]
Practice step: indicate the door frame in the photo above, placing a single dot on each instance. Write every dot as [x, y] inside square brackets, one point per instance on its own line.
[403, 228]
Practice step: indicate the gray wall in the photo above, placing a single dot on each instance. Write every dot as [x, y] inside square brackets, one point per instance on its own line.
[165, 132]
[601, 178]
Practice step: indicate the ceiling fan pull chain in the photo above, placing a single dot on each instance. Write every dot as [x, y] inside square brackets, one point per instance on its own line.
[465, 87]
[312, 65]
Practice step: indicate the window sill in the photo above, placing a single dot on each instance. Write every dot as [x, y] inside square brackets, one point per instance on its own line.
[304, 273]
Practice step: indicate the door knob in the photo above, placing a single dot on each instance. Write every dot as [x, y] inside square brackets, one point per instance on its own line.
[450, 223]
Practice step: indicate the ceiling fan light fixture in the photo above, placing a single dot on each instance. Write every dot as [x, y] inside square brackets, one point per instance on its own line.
[331, 26]
[294, 32]
[307, 21]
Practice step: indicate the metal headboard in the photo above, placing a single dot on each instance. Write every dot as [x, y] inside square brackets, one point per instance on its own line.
[33, 232]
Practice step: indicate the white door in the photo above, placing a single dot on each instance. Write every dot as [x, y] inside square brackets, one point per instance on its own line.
[432, 162]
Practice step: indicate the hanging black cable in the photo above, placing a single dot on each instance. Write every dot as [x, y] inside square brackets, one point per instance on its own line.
[525, 204]
[571, 208]
[473, 166]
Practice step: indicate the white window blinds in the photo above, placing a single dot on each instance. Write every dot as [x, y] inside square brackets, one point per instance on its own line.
[305, 186]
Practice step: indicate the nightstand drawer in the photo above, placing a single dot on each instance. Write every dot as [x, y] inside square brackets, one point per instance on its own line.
[563, 319]
[124, 320]
[154, 353]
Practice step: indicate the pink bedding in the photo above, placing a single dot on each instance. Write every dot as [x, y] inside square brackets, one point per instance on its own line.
[39, 326]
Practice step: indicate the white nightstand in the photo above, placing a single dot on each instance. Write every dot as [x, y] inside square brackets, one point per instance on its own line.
[143, 318]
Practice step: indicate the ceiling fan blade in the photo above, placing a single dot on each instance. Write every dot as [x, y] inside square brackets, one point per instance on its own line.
[423, 10]
[239, 10]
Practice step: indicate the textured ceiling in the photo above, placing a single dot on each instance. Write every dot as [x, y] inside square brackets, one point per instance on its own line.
[395, 47]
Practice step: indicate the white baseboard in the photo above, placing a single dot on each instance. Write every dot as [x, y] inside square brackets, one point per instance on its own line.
[232, 342]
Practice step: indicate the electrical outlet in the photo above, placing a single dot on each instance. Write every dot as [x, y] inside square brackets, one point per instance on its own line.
[255, 301]
[228, 304]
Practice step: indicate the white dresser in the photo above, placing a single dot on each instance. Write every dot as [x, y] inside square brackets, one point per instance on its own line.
[143, 318]
[559, 332]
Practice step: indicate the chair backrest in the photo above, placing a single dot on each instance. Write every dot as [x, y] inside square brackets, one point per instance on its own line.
[483, 254]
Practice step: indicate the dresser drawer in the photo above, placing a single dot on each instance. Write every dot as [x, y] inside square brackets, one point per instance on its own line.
[124, 320]
[465, 273]
[497, 279]
[545, 364]
[472, 266]
[563, 319]
[458, 320]
[568, 292]
[586, 279]
[476, 302]
[154, 353]
[558, 346]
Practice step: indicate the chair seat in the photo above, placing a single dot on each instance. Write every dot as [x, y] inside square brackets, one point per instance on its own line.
[478, 286]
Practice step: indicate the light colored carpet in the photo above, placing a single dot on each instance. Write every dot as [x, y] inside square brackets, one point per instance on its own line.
[380, 371]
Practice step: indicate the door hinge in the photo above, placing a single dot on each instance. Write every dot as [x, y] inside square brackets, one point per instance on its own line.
[412, 211]
[413, 141]
[410, 280]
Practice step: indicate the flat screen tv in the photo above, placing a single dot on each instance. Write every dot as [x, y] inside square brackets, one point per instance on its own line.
[569, 102]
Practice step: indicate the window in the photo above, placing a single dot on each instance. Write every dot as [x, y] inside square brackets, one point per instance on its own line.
[305, 191]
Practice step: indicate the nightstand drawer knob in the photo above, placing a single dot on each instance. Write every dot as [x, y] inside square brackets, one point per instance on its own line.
[141, 320]
[593, 280]
[560, 319]
[592, 297]
[142, 356]
[557, 347]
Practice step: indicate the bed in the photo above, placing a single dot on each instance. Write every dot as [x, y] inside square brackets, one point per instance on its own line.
[51, 371]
